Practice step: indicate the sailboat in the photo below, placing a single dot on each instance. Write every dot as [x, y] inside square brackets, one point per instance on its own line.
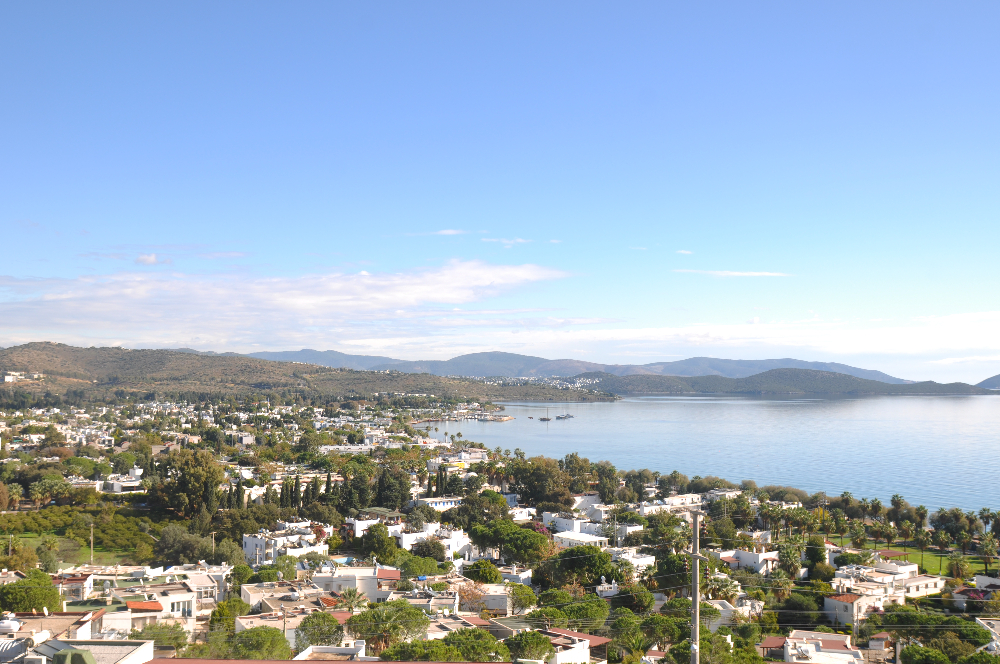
[546, 418]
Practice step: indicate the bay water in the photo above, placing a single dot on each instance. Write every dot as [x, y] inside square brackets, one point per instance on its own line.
[938, 451]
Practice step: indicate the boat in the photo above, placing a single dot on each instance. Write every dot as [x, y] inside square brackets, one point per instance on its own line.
[546, 418]
[567, 416]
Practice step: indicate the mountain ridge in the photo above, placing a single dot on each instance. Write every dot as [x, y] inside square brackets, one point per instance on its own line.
[514, 365]
[992, 383]
[773, 381]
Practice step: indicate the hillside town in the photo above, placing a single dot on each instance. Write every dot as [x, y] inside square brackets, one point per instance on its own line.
[245, 529]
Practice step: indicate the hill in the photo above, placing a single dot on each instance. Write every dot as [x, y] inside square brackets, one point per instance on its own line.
[326, 358]
[513, 365]
[775, 381]
[990, 383]
[101, 372]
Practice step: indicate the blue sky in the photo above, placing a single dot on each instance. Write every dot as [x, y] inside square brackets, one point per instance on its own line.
[614, 183]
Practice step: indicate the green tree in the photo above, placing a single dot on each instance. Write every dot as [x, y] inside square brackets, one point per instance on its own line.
[352, 599]
[225, 613]
[286, 566]
[240, 574]
[530, 645]
[429, 548]
[634, 597]
[379, 543]
[229, 552]
[547, 617]
[477, 645]
[178, 546]
[190, 480]
[32, 593]
[318, 629]
[919, 655]
[435, 650]
[662, 630]
[522, 597]
[958, 566]
[579, 564]
[513, 543]
[486, 507]
[483, 571]
[587, 614]
[260, 643]
[388, 623]
[987, 549]
[162, 634]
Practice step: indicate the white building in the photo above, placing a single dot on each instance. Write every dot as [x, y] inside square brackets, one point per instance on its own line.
[292, 539]
[442, 503]
[570, 539]
[813, 648]
[761, 563]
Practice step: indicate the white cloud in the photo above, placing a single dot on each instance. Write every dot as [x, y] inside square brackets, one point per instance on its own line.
[684, 251]
[150, 259]
[449, 231]
[234, 311]
[506, 243]
[728, 273]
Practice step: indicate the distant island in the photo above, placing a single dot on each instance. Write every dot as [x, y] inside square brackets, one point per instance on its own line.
[498, 364]
[94, 374]
[775, 381]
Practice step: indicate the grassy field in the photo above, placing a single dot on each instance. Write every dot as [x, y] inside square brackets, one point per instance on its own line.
[934, 562]
[71, 553]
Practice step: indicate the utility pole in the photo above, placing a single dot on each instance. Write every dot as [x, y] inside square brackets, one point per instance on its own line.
[213, 541]
[696, 558]
[91, 544]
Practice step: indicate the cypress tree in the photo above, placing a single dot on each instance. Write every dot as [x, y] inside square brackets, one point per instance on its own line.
[297, 493]
[329, 486]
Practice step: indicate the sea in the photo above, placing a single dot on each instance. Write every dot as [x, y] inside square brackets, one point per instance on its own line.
[937, 451]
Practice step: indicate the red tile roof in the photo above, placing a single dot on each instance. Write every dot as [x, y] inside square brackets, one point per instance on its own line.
[846, 598]
[328, 601]
[388, 574]
[341, 616]
[144, 606]
[476, 620]
[773, 642]
[594, 640]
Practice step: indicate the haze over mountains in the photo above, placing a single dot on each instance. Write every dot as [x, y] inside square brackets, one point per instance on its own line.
[514, 365]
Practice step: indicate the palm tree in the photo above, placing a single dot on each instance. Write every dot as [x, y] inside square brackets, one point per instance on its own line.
[781, 584]
[963, 540]
[921, 513]
[923, 540]
[351, 599]
[988, 549]
[986, 515]
[890, 534]
[864, 506]
[942, 540]
[840, 526]
[858, 535]
[897, 502]
[848, 498]
[958, 566]
[906, 532]
[876, 509]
